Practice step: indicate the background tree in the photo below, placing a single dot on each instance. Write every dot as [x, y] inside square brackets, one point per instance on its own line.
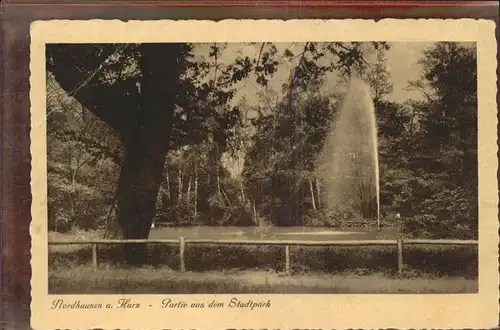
[446, 160]
[83, 160]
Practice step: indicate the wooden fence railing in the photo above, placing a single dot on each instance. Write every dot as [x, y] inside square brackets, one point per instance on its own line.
[182, 242]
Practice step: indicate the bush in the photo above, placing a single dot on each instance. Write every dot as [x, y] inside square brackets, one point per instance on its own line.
[318, 218]
[178, 214]
[431, 226]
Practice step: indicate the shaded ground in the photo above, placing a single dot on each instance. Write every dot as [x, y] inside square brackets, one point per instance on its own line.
[163, 280]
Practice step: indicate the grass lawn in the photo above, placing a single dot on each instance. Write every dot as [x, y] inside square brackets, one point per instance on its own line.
[162, 280]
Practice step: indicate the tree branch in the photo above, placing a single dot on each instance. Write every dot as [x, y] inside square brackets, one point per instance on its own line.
[113, 104]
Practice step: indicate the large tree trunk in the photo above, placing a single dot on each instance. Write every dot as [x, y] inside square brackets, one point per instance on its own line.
[138, 189]
[146, 146]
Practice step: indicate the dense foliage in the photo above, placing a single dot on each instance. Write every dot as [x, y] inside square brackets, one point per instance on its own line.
[242, 163]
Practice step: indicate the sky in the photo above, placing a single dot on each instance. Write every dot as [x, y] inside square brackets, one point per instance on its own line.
[402, 64]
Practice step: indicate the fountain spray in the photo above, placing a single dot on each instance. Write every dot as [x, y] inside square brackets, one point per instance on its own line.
[349, 157]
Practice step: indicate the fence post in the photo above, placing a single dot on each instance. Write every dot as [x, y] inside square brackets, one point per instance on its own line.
[94, 256]
[400, 256]
[287, 259]
[181, 253]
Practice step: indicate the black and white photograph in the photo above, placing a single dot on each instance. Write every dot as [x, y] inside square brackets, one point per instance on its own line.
[265, 143]
[274, 167]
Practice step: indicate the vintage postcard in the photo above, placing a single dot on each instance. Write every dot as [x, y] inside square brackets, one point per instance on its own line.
[264, 174]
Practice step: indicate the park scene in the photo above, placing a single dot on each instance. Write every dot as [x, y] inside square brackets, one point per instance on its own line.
[270, 167]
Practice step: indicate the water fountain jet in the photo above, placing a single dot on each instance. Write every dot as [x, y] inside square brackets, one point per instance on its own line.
[348, 162]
